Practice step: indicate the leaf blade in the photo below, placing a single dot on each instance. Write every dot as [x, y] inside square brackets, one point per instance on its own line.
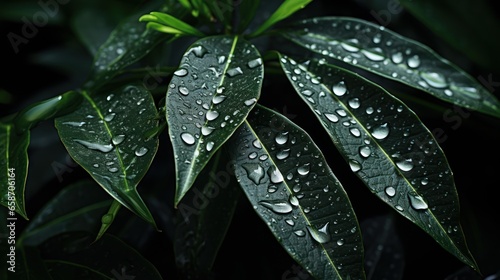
[393, 56]
[287, 180]
[386, 146]
[216, 75]
[105, 135]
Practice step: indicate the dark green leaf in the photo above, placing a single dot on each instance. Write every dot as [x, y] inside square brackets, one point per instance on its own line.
[73, 256]
[108, 218]
[217, 83]
[291, 187]
[383, 52]
[205, 214]
[77, 207]
[387, 147]
[29, 265]
[106, 136]
[247, 10]
[171, 21]
[14, 168]
[286, 9]
[128, 43]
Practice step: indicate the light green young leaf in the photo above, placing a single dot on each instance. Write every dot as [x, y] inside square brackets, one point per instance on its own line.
[291, 187]
[383, 52]
[386, 146]
[217, 83]
[14, 168]
[106, 136]
[286, 9]
[171, 21]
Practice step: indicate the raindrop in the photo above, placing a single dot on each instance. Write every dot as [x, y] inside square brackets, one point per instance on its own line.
[199, 51]
[281, 138]
[141, 151]
[250, 102]
[290, 222]
[355, 132]
[283, 154]
[272, 189]
[207, 130]
[210, 146]
[300, 233]
[417, 202]
[332, 117]
[254, 63]
[434, 79]
[339, 89]
[390, 191]
[294, 201]
[221, 59]
[350, 45]
[95, 146]
[183, 90]
[354, 103]
[277, 206]
[181, 72]
[355, 165]
[397, 57]
[381, 132]
[405, 165]
[252, 155]
[212, 115]
[320, 235]
[255, 172]
[109, 117]
[375, 54]
[234, 72]
[118, 139]
[76, 124]
[113, 169]
[275, 175]
[365, 151]
[187, 138]
[218, 99]
[414, 61]
[340, 242]
[399, 208]
[256, 144]
[304, 169]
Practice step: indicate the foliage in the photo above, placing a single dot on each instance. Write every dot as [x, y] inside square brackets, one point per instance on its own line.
[171, 145]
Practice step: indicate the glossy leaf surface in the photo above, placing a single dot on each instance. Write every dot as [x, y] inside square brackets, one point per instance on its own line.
[386, 146]
[106, 136]
[383, 52]
[217, 83]
[291, 187]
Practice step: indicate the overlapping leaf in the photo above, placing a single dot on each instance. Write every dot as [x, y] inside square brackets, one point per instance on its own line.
[217, 83]
[14, 168]
[106, 136]
[381, 51]
[293, 190]
[387, 147]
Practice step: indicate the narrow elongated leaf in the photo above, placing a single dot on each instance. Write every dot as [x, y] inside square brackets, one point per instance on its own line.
[77, 207]
[383, 52]
[286, 9]
[205, 214]
[14, 169]
[387, 147]
[247, 11]
[217, 83]
[106, 136]
[171, 21]
[291, 187]
[73, 255]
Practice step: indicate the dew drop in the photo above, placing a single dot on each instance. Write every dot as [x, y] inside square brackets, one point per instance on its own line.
[332, 117]
[275, 175]
[339, 89]
[405, 165]
[381, 132]
[255, 172]
[113, 169]
[281, 138]
[320, 235]
[390, 191]
[141, 151]
[434, 79]
[109, 117]
[290, 222]
[209, 146]
[207, 130]
[277, 206]
[414, 61]
[365, 151]
[234, 72]
[355, 165]
[397, 57]
[375, 54]
[76, 124]
[355, 132]
[254, 63]
[354, 103]
[256, 144]
[187, 138]
[250, 102]
[183, 90]
[340, 242]
[294, 201]
[181, 72]
[218, 99]
[350, 45]
[300, 233]
[212, 115]
[118, 139]
[304, 169]
[95, 146]
[283, 154]
[417, 202]
[199, 51]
